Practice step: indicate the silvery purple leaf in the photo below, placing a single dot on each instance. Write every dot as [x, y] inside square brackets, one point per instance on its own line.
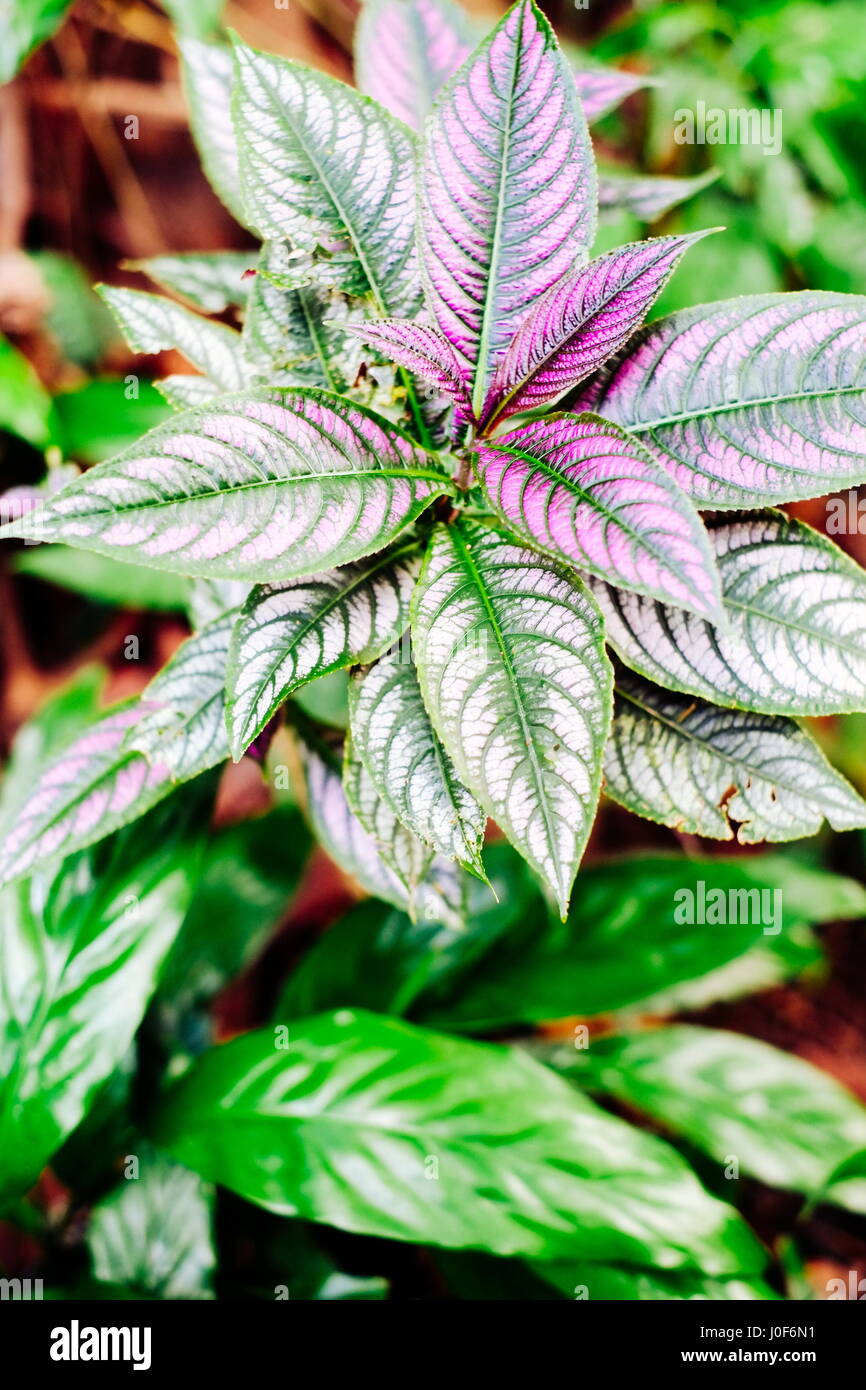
[508, 188]
[323, 166]
[728, 774]
[209, 280]
[760, 399]
[208, 72]
[94, 786]
[601, 89]
[151, 323]
[647, 196]
[509, 649]
[795, 637]
[405, 50]
[290, 633]
[589, 494]
[579, 323]
[424, 351]
[267, 485]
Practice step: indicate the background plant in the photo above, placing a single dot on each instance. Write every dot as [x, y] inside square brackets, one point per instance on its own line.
[431, 513]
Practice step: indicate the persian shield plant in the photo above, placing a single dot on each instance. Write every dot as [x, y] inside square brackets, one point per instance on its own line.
[445, 453]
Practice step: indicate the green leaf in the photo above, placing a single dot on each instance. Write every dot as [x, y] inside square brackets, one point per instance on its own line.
[196, 17]
[727, 774]
[27, 23]
[105, 415]
[623, 1283]
[248, 878]
[208, 74]
[785, 1121]
[211, 281]
[411, 771]
[82, 948]
[288, 634]
[238, 488]
[630, 936]
[321, 164]
[340, 1123]
[796, 610]
[511, 663]
[153, 1233]
[185, 390]
[101, 578]
[153, 324]
[25, 406]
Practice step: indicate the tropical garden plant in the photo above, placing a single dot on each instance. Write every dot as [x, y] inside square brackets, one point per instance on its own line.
[444, 453]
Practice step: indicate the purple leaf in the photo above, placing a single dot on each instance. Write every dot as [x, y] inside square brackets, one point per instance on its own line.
[648, 196]
[587, 493]
[581, 322]
[752, 400]
[601, 89]
[424, 351]
[508, 188]
[406, 49]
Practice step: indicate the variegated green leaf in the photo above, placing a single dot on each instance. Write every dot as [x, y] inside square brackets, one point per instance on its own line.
[399, 847]
[295, 337]
[185, 391]
[392, 734]
[182, 724]
[290, 633]
[356, 851]
[263, 486]
[153, 324]
[509, 649]
[728, 774]
[796, 609]
[210, 280]
[326, 167]
[208, 75]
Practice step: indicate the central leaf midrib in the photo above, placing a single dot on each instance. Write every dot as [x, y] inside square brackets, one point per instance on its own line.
[529, 742]
[699, 413]
[480, 384]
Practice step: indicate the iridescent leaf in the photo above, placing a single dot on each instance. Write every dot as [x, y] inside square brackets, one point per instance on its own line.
[392, 734]
[509, 650]
[601, 89]
[290, 633]
[581, 322]
[323, 166]
[424, 351]
[406, 49]
[647, 196]
[507, 191]
[795, 641]
[264, 486]
[153, 324]
[760, 399]
[728, 774]
[588, 494]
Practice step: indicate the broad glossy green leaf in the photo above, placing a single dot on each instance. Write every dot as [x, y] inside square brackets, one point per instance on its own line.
[248, 878]
[103, 578]
[26, 24]
[107, 414]
[728, 774]
[510, 659]
[288, 634]
[151, 323]
[322, 165]
[785, 1121]
[80, 953]
[25, 406]
[796, 611]
[637, 927]
[412, 772]
[624, 1283]
[340, 1125]
[265, 485]
[153, 1233]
